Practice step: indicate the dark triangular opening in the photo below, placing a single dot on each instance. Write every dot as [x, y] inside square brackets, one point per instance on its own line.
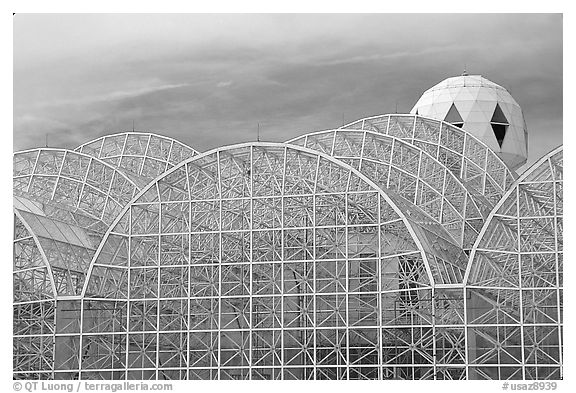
[459, 125]
[416, 112]
[499, 132]
[453, 116]
[498, 116]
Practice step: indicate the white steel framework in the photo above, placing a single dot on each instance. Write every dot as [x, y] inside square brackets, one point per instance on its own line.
[64, 202]
[514, 280]
[468, 157]
[398, 166]
[342, 254]
[284, 263]
[140, 155]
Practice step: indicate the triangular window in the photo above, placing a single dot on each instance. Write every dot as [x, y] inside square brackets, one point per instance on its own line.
[499, 132]
[498, 116]
[499, 125]
[453, 116]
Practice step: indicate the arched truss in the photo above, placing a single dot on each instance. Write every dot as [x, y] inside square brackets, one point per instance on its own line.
[469, 158]
[75, 182]
[193, 281]
[412, 173]
[33, 279]
[514, 280]
[34, 304]
[141, 156]
[43, 280]
[263, 261]
[68, 200]
[64, 202]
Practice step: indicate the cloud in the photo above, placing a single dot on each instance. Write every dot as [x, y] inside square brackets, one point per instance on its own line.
[113, 95]
[224, 84]
[208, 80]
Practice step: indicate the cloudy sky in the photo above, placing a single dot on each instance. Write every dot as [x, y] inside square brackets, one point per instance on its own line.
[208, 80]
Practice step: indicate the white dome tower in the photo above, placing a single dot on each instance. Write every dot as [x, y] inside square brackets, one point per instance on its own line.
[484, 109]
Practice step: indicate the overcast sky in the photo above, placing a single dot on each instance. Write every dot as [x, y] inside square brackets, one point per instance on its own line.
[208, 80]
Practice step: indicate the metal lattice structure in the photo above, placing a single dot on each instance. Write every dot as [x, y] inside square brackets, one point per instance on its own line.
[64, 202]
[34, 305]
[298, 240]
[141, 156]
[411, 172]
[514, 279]
[397, 247]
[469, 158]
[68, 200]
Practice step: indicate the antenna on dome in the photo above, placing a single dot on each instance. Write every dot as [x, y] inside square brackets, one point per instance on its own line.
[465, 73]
[258, 133]
[132, 125]
[396, 110]
[46, 140]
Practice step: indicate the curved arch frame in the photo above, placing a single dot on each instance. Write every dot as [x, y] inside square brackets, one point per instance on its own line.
[478, 203]
[472, 158]
[121, 154]
[522, 298]
[40, 307]
[503, 200]
[316, 159]
[40, 250]
[83, 182]
[434, 286]
[312, 152]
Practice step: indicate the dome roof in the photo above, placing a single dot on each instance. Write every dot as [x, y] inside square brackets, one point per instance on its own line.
[482, 108]
[468, 81]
